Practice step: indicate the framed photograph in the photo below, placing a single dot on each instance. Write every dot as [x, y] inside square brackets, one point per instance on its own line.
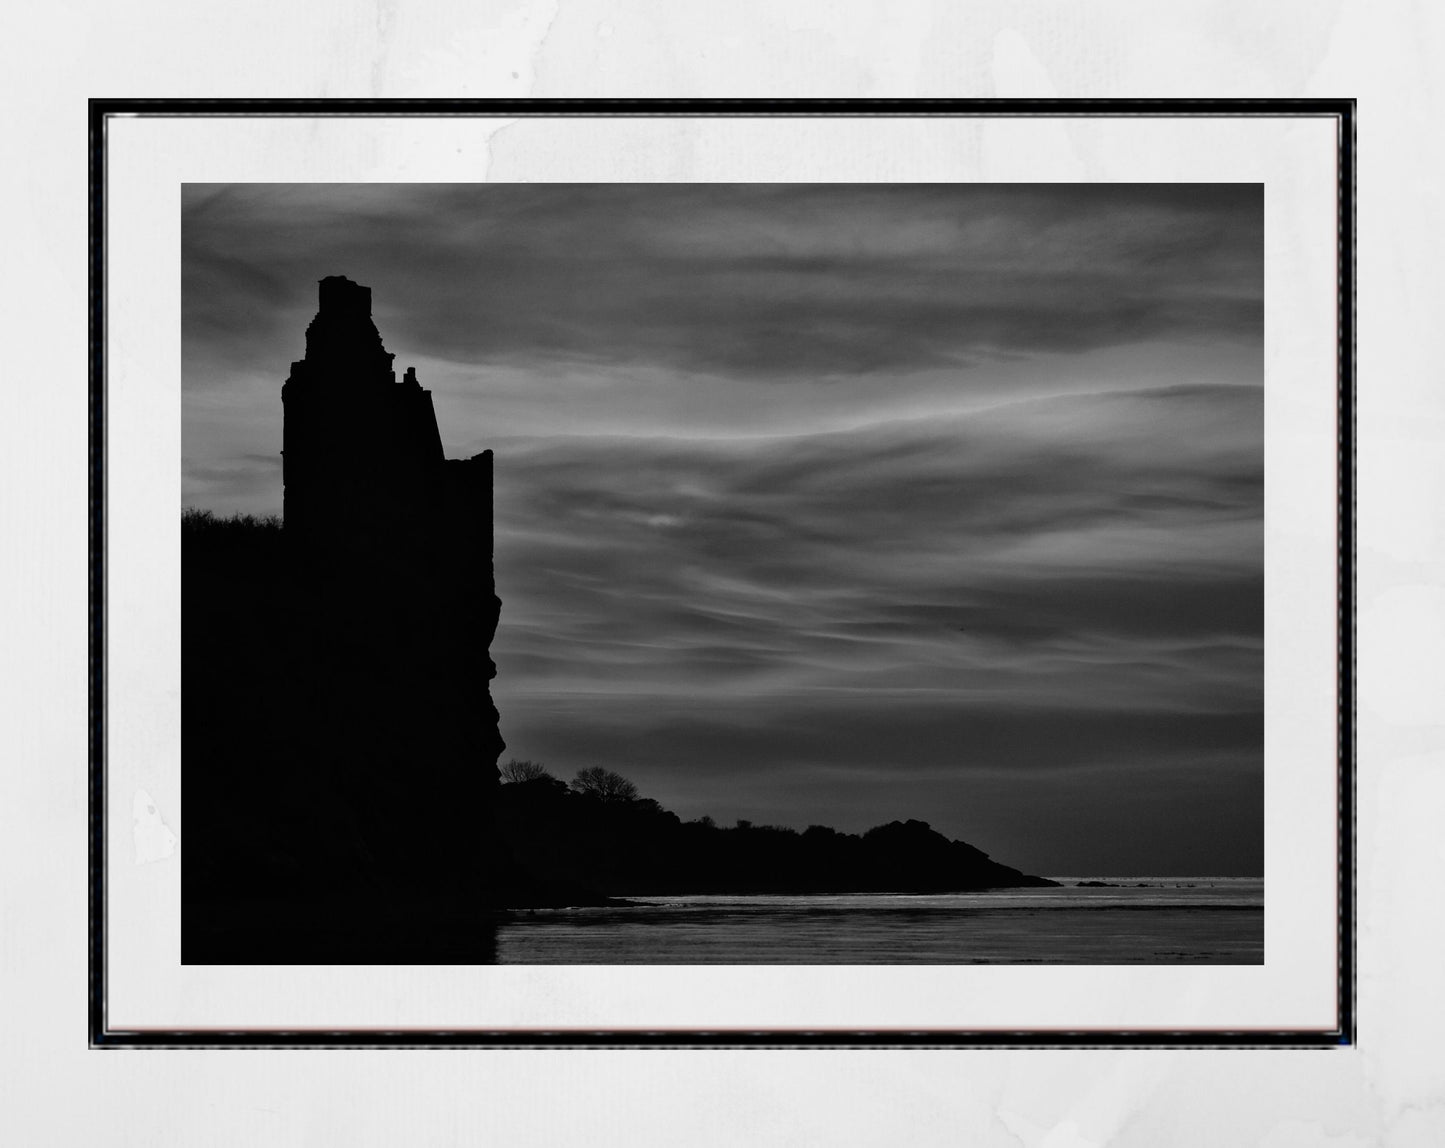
[721, 573]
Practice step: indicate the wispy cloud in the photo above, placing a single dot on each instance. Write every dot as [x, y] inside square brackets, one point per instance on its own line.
[1059, 587]
[914, 555]
[822, 503]
[782, 282]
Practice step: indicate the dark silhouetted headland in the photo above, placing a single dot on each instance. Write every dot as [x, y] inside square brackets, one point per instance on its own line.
[629, 845]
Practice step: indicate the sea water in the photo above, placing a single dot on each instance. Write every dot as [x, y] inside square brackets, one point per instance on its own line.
[1136, 920]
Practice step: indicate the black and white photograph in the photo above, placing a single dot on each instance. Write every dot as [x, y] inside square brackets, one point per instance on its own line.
[722, 573]
[623, 574]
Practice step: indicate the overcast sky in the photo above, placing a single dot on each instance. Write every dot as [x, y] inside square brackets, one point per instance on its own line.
[829, 504]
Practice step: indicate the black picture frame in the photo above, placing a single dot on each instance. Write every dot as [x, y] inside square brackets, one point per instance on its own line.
[103, 1035]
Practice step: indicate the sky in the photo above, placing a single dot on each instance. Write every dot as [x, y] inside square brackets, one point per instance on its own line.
[821, 504]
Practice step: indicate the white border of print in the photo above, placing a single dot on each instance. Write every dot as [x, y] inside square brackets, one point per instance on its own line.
[149, 159]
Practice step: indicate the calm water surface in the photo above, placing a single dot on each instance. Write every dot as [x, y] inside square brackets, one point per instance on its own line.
[1193, 920]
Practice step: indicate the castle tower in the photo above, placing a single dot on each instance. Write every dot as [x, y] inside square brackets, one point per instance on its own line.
[391, 556]
[358, 445]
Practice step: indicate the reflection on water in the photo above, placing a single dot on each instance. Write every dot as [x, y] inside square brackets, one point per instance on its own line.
[1140, 921]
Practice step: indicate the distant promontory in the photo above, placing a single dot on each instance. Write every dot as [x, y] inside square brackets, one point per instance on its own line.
[600, 834]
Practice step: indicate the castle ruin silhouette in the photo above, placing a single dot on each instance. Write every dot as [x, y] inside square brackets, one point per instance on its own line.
[338, 730]
[391, 547]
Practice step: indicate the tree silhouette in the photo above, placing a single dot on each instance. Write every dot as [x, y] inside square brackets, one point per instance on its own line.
[517, 771]
[604, 785]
